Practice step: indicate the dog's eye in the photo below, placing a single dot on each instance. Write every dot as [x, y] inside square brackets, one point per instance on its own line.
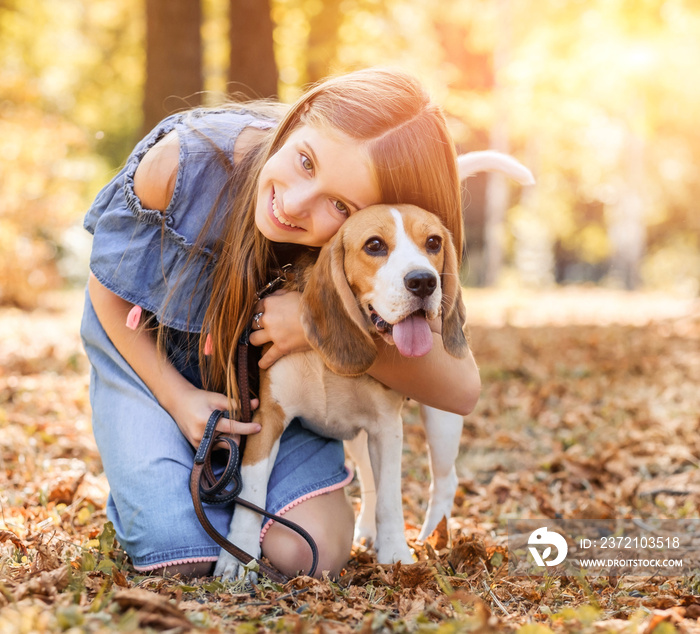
[433, 244]
[375, 246]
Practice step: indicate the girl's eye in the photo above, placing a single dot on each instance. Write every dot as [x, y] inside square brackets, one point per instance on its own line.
[341, 207]
[306, 163]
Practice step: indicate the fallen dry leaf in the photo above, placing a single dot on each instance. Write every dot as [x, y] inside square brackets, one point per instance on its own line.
[153, 610]
[439, 538]
[45, 585]
[16, 541]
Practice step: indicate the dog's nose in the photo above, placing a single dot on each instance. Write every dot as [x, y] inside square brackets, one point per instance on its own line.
[420, 282]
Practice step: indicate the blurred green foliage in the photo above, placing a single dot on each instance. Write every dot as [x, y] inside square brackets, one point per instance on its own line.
[598, 97]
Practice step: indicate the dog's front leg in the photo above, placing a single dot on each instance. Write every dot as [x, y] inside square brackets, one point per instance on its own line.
[365, 524]
[385, 448]
[244, 531]
[443, 431]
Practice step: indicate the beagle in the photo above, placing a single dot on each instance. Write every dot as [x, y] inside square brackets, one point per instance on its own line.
[442, 429]
[387, 272]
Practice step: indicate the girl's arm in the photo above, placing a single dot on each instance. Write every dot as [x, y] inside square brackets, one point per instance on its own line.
[436, 379]
[189, 406]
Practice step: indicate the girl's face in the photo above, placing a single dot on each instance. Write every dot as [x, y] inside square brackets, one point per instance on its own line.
[311, 185]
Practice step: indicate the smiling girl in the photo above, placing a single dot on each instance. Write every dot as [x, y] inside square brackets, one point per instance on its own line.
[204, 211]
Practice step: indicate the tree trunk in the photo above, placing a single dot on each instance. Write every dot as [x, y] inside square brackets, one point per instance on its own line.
[252, 69]
[173, 58]
[626, 227]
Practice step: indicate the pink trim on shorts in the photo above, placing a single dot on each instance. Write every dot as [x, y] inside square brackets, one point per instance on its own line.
[308, 496]
[192, 560]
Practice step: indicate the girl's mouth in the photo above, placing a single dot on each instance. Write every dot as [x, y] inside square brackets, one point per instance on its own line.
[279, 217]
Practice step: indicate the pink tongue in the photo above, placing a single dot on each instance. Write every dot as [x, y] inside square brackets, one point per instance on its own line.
[412, 336]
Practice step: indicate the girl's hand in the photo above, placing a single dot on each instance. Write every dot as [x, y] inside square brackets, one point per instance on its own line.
[193, 409]
[280, 324]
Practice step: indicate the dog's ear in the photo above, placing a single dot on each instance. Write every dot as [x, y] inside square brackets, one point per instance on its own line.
[332, 320]
[454, 314]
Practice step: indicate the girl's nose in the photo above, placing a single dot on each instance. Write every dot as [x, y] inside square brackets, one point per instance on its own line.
[298, 202]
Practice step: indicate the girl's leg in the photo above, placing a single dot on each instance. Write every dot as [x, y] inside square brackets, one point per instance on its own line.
[329, 518]
[147, 461]
[307, 486]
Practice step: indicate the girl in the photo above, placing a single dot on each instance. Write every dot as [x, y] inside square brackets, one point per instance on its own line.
[207, 207]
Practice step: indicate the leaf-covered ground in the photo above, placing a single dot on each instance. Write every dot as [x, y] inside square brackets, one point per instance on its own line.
[590, 409]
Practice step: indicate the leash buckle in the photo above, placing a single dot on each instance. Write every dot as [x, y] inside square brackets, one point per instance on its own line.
[272, 286]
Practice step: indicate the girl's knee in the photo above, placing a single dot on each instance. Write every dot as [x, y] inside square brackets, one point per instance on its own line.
[329, 519]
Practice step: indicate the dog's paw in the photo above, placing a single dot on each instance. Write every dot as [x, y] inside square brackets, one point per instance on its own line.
[228, 567]
[365, 534]
[393, 553]
[433, 517]
[442, 495]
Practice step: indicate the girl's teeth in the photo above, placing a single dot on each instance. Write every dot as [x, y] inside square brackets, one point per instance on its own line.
[277, 214]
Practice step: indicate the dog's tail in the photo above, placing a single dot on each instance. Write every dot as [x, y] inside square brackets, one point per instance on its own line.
[489, 161]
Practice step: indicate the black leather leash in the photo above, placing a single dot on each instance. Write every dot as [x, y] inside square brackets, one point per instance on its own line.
[204, 485]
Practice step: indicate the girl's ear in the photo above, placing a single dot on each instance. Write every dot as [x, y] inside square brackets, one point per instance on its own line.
[332, 320]
[454, 315]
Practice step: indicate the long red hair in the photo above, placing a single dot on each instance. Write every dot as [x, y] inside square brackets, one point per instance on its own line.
[414, 160]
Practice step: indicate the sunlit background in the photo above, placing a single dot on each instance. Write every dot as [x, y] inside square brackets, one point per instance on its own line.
[600, 98]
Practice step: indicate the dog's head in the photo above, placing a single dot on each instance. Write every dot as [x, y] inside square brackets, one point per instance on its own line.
[388, 270]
